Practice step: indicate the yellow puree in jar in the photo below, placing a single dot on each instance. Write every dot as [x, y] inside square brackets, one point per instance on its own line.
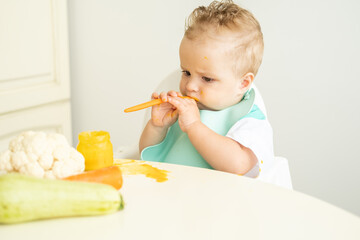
[96, 148]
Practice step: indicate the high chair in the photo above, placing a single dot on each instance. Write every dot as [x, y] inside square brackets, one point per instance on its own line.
[279, 174]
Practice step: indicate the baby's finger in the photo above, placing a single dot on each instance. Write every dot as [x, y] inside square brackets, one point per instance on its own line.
[173, 93]
[155, 95]
[177, 102]
[182, 103]
[164, 96]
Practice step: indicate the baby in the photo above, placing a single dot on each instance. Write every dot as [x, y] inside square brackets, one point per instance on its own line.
[222, 125]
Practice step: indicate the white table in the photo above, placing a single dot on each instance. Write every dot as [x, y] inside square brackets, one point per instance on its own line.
[201, 204]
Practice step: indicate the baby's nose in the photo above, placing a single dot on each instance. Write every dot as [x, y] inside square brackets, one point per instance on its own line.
[191, 86]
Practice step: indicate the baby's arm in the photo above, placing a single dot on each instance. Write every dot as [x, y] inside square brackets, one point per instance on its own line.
[162, 117]
[222, 153]
[151, 135]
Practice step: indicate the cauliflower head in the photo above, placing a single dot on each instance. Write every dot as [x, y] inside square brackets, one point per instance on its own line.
[41, 154]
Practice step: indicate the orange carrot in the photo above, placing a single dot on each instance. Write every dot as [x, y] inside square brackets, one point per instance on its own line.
[149, 104]
[108, 175]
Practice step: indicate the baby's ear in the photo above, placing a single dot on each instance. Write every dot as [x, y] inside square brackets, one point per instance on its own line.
[246, 81]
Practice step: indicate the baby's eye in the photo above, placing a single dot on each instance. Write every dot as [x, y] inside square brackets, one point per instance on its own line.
[186, 73]
[206, 79]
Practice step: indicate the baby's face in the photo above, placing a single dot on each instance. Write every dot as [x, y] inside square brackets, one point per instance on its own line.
[208, 72]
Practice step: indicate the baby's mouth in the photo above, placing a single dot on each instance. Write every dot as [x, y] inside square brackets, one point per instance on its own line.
[195, 98]
[199, 104]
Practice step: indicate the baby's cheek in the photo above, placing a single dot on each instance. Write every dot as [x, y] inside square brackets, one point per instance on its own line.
[182, 90]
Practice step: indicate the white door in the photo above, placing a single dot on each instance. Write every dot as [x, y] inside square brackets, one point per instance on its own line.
[34, 68]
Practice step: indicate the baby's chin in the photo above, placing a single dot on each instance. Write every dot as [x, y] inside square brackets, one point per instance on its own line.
[200, 106]
[203, 107]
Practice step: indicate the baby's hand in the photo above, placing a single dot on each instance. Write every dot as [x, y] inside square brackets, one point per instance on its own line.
[188, 111]
[164, 114]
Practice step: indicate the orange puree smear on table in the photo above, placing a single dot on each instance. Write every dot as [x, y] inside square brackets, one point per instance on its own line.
[134, 167]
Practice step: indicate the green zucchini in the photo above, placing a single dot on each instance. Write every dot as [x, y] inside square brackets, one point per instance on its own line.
[24, 198]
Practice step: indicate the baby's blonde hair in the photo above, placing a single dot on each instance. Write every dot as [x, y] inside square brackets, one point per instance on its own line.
[217, 16]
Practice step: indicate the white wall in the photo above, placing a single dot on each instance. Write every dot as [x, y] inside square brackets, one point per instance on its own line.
[309, 79]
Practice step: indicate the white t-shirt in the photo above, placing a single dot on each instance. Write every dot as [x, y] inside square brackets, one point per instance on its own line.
[255, 132]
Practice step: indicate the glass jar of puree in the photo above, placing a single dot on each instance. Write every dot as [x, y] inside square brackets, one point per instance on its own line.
[96, 148]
